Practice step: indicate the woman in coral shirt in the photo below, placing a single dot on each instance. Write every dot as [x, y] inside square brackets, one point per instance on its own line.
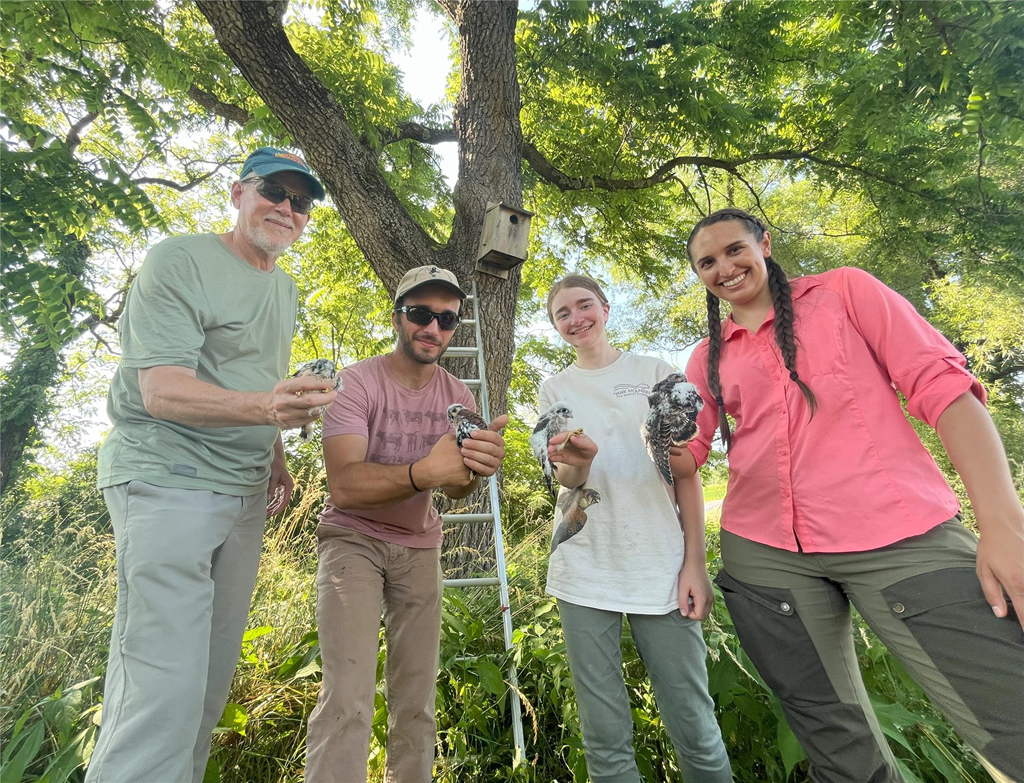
[833, 500]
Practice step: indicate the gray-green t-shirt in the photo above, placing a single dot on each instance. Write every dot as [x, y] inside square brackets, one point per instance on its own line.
[196, 304]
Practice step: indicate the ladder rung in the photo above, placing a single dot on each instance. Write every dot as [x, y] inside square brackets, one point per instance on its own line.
[466, 519]
[467, 322]
[473, 383]
[480, 581]
[469, 351]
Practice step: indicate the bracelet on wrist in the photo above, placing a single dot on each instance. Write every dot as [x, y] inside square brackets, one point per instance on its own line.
[411, 480]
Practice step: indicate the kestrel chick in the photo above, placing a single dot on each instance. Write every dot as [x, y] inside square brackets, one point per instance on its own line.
[325, 370]
[672, 419]
[464, 421]
[554, 421]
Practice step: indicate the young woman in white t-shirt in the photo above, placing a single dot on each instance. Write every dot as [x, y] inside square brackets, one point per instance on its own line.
[625, 542]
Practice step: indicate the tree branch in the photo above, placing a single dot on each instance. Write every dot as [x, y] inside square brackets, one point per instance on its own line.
[74, 137]
[548, 171]
[181, 188]
[417, 132]
[424, 134]
[213, 104]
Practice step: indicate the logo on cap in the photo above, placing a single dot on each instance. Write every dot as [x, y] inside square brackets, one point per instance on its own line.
[291, 157]
[433, 271]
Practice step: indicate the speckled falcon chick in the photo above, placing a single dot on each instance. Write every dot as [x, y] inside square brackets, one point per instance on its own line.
[553, 422]
[324, 370]
[672, 419]
[464, 421]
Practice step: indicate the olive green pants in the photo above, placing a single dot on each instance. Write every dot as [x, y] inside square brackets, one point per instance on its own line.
[674, 654]
[921, 596]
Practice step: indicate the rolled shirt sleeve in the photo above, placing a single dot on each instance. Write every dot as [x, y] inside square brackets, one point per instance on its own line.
[922, 364]
[707, 419]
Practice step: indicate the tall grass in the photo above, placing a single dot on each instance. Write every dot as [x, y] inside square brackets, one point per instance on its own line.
[57, 601]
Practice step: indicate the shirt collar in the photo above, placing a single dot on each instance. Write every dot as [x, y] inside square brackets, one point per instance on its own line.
[797, 289]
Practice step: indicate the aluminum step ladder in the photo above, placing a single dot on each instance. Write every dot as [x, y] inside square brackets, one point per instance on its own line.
[493, 517]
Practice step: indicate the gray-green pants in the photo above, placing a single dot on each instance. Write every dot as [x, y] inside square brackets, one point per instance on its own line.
[673, 650]
[923, 599]
[186, 568]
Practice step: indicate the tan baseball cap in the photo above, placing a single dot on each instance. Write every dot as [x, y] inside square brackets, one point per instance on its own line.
[422, 275]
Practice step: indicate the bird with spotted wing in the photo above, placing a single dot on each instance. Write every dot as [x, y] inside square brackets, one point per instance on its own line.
[464, 421]
[574, 515]
[555, 420]
[672, 419]
[325, 370]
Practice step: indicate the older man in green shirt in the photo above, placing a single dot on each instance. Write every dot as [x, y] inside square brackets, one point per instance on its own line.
[193, 465]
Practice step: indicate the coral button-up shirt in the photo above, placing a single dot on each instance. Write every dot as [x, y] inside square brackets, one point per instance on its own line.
[856, 476]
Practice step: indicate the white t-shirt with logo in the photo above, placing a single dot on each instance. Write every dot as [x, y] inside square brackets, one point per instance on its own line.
[628, 554]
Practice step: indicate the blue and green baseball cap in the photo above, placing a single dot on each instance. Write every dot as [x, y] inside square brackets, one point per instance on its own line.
[270, 160]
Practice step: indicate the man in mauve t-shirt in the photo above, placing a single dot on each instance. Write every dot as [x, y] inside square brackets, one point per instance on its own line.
[387, 445]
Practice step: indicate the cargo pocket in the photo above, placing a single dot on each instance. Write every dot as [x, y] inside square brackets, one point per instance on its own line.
[979, 654]
[839, 739]
[775, 638]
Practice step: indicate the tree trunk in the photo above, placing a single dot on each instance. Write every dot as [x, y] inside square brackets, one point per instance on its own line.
[490, 169]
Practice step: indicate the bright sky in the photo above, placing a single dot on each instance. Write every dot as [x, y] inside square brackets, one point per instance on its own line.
[425, 81]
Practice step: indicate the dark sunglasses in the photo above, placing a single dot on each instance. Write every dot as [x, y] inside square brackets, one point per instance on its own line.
[421, 316]
[275, 194]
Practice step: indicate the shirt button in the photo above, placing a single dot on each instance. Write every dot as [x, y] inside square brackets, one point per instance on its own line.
[784, 606]
[899, 608]
[782, 452]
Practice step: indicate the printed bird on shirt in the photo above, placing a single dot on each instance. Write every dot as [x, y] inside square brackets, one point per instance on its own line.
[672, 419]
[554, 421]
[574, 517]
[324, 370]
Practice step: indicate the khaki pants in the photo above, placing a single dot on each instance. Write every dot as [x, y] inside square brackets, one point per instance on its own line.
[923, 599]
[356, 576]
[186, 568]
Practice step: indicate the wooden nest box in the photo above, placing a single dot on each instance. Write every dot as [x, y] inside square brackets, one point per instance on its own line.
[503, 240]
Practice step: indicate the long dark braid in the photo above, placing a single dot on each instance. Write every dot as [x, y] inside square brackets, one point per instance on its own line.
[782, 300]
[714, 351]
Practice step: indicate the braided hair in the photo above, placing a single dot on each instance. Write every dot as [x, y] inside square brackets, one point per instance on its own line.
[782, 300]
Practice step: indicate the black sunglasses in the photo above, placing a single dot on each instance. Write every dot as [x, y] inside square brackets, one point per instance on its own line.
[275, 194]
[421, 316]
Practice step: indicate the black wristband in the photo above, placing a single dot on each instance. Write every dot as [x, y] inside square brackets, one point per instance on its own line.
[411, 481]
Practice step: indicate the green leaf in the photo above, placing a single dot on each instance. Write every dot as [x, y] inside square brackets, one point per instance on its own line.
[234, 718]
[255, 633]
[212, 772]
[20, 752]
[490, 677]
[789, 746]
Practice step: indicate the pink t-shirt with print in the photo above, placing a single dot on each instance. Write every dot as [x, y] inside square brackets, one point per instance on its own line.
[401, 426]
